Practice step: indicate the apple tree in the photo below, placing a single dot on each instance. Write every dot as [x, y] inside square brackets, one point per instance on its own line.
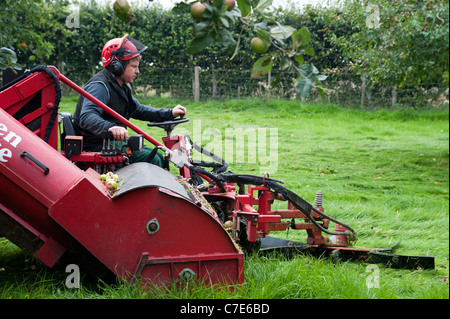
[281, 47]
[20, 42]
[396, 42]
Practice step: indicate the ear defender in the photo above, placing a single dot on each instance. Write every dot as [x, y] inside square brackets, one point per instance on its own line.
[116, 67]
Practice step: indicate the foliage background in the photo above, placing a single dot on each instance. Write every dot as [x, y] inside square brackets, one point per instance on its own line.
[407, 51]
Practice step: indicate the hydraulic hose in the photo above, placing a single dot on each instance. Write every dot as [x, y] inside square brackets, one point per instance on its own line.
[218, 167]
[296, 200]
[54, 115]
[203, 171]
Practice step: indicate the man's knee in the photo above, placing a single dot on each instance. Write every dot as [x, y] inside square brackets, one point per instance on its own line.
[149, 155]
[157, 160]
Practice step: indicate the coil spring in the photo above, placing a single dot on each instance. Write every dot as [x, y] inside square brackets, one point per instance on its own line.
[319, 199]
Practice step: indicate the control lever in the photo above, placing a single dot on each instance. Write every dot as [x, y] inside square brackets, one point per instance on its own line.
[109, 149]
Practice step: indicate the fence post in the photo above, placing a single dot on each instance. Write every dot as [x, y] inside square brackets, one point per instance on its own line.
[363, 90]
[196, 84]
[394, 96]
[214, 84]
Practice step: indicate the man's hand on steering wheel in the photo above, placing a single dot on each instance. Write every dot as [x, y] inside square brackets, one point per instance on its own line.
[178, 110]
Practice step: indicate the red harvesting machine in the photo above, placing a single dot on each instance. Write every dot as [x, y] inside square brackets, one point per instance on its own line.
[157, 226]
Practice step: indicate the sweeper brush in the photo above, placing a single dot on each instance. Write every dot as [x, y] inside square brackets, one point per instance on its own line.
[139, 221]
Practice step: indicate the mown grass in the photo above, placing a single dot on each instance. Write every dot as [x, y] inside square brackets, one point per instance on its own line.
[384, 172]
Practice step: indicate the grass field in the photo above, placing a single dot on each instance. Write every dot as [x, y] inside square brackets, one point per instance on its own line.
[383, 172]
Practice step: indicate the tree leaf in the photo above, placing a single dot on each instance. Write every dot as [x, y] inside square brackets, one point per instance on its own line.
[296, 39]
[301, 38]
[263, 4]
[8, 58]
[244, 7]
[305, 70]
[181, 8]
[304, 86]
[321, 92]
[306, 36]
[277, 80]
[202, 29]
[262, 66]
[236, 50]
[199, 43]
[309, 51]
[285, 63]
[227, 40]
[263, 35]
[282, 32]
[225, 22]
[299, 58]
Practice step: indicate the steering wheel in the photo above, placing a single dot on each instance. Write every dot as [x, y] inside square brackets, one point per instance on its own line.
[168, 126]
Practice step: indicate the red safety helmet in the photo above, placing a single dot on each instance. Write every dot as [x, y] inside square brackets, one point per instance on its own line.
[123, 49]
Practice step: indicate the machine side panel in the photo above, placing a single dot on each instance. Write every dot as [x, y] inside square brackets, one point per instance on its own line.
[147, 222]
[33, 165]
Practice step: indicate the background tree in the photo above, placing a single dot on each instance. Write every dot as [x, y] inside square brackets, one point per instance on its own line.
[216, 18]
[21, 43]
[407, 44]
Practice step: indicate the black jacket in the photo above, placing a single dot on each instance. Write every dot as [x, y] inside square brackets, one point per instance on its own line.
[93, 123]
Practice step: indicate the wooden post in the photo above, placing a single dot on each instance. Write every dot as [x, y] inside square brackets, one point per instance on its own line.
[394, 96]
[363, 90]
[214, 84]
[196, 84]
